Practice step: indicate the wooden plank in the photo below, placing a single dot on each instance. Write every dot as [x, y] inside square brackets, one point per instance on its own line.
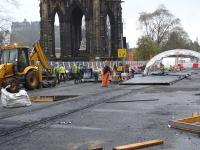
[191, 127]
[189, 120]
[140, 145]
[42, 99]
[195, 114]
[190, 124]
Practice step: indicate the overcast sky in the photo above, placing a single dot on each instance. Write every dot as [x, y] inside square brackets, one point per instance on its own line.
[186, 10]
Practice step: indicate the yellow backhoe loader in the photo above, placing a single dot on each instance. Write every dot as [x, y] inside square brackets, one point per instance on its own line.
[21, 65]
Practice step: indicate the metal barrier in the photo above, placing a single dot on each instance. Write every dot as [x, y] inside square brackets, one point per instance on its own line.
[97, 64]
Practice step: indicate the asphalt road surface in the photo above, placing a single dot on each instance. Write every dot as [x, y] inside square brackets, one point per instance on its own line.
[92, 115]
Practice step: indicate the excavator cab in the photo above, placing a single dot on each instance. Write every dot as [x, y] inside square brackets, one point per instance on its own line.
[15, 58]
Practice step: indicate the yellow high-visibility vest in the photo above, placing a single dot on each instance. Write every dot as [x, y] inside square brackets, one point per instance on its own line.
[119, 68]
[62, 69]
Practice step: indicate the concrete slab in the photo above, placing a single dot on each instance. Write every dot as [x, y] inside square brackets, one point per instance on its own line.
[156, 79]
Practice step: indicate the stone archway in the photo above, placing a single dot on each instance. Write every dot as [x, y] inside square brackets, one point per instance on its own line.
[111, 45]
[76, 16]
[70, 15]
[60, 16]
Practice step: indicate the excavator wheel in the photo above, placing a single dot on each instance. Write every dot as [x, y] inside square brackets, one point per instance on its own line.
[31, 81]
[14, 85]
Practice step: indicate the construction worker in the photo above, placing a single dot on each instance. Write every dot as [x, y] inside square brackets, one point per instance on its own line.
[76, 72]
[115, 68]
[56, 71]
[106, 74]
[162, 68]
[132, 72]
[81, 74]
[171, 68]
[120, 70]
[62, 73]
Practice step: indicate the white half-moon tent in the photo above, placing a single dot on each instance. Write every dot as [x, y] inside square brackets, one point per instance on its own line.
[175, 52]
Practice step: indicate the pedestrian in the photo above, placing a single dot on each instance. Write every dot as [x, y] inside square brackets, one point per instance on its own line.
[106, 74]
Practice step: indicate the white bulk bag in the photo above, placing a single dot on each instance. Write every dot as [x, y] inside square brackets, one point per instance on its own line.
[10, 100]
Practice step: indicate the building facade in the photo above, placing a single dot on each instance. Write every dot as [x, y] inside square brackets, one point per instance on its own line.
[102, 21]
[25, 33]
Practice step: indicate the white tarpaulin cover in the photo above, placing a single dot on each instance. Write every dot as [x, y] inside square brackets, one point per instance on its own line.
[180, 52]
[11, 100]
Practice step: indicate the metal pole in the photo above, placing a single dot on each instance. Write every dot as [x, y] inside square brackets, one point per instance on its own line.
[123, 59]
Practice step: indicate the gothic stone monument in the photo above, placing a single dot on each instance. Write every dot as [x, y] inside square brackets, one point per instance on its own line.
[103, 28]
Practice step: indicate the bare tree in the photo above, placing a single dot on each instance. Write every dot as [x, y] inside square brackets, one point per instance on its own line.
[5, 18]
[157, 25]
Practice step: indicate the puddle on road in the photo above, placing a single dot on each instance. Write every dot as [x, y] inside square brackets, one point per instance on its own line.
[51, 98]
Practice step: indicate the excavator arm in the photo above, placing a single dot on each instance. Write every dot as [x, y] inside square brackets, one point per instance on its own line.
[38, 55]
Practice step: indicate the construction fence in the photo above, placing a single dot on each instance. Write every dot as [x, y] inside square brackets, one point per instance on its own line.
[95, 65]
